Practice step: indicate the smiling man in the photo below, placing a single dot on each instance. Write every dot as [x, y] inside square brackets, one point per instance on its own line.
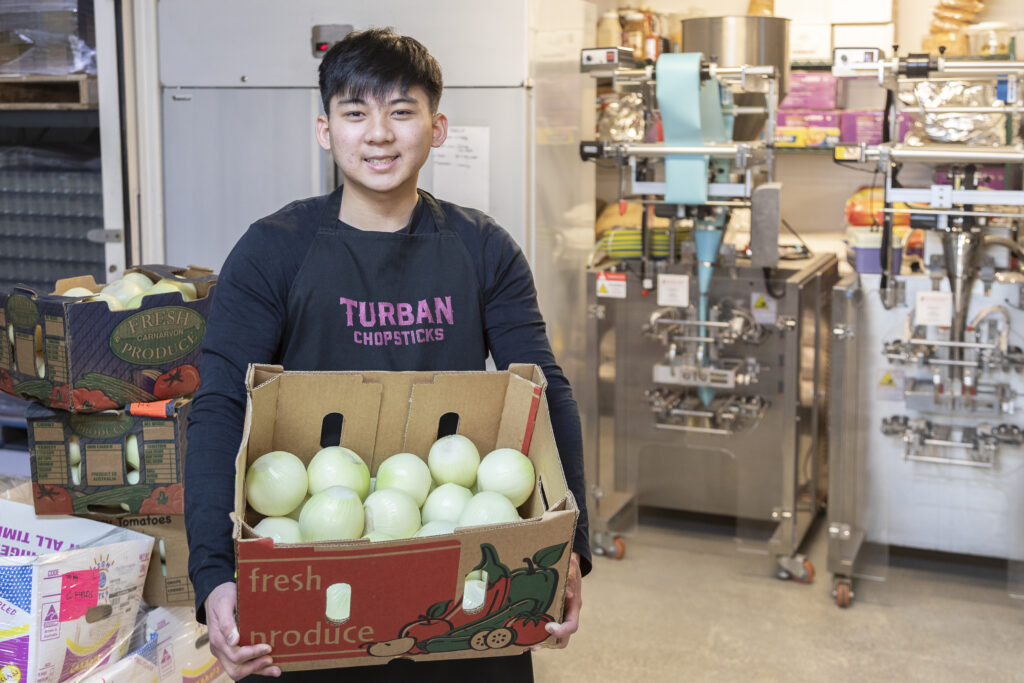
[377, 275]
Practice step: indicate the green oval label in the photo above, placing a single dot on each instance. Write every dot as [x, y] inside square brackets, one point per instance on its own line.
[102, 426]
[158, 335]
[22, 311]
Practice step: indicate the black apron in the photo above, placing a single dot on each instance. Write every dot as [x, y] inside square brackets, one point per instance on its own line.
[391, 301]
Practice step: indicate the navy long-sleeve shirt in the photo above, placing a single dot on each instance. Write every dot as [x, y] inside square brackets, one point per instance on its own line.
[246, 325]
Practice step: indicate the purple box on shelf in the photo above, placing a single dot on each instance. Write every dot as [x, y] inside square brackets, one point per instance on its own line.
[864, 250]
[866, 126]
[810, 90]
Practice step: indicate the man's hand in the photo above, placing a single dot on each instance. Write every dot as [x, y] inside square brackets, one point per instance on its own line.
[238, 662]
[573, 602]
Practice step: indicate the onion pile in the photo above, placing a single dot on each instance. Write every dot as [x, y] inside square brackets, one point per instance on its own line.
[332, 499]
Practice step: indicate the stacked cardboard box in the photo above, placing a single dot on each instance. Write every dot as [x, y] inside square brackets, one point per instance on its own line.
[405, 595]
[70, 590]
[110, 392]
[807, 115]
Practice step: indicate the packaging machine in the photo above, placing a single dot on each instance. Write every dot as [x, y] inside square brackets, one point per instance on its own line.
[926, 443]
[707, 357]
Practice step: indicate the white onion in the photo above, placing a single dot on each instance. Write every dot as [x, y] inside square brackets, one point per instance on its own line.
[445, 503]
[294, 514]
[473, 594]
[141, 280]
[131, 451]
[334, 514]
[338, 466]
[339, 601]
[275, 483]
[281, 529]
[438, 527]
[123, 290]
[187, 289]
[488, 507]
[132, 477]
[375, 536]
[78, 291]
[113, 303]
[508, 472]
[453, 459]
[405, 472]
[74, 451]
[392, 512]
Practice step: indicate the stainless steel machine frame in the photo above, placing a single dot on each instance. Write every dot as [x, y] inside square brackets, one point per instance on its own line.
[926, 446]
[768, 471]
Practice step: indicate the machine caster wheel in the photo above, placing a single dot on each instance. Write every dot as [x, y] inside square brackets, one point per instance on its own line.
[843, 593]
[615, 550]
[807, 575]
[800, 573]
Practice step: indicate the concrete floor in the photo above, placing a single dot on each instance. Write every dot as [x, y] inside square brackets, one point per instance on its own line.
[684, 605]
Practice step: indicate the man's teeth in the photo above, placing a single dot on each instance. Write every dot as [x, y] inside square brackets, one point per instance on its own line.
[380, 162]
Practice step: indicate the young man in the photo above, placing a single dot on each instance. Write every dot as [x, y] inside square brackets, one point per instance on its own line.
[295, 291]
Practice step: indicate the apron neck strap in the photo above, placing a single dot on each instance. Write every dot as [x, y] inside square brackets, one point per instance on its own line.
[329, 217]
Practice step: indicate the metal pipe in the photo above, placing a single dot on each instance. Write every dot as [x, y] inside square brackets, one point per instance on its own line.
[965, 109]
[1012, 245]
[711, 202]
[723, 151]
[747, 70]
[950, 461]
[697, 430]
[737, 110]
[951, 212]
[963, 345]
[690, 323]
[964, 153]
[979, 67]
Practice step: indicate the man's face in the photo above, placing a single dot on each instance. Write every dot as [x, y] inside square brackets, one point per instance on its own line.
[380, 146]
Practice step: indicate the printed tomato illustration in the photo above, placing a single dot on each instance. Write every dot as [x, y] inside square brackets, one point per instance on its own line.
[529, 630]
[51, 499]
[60, 395]
[93, 400]
[6, 382]
[178, 381]
[165, 500]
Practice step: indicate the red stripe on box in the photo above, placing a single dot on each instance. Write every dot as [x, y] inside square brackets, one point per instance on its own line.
[531, 421]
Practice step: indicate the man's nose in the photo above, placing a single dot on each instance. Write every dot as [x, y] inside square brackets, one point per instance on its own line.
[379, 130]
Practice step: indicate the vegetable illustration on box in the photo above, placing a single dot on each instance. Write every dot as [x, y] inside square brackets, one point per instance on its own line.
[514, 610]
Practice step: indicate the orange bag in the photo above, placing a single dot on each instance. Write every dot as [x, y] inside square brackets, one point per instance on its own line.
[864, 207]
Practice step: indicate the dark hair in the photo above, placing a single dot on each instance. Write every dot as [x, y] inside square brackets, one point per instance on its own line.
[372, 63]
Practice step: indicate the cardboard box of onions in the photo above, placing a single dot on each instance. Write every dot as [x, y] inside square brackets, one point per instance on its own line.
[399, 514]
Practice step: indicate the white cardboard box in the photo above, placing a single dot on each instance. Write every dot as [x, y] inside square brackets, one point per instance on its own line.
[69, 592]
[804, 11]
[862, 12]
[810, 42]
[881, 36]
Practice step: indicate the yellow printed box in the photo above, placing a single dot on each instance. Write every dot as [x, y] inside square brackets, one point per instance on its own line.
[69, 590]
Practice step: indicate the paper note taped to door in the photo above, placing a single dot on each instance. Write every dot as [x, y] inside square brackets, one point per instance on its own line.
[462, 167]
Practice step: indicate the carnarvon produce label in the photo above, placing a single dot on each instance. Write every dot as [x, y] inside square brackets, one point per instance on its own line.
[158, 335]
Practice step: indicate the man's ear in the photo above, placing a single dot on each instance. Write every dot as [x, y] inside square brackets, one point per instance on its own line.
[323, 133]
[440, 130]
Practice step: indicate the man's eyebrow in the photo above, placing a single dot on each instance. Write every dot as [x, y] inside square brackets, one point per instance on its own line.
[404, 99]
[351, 100]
